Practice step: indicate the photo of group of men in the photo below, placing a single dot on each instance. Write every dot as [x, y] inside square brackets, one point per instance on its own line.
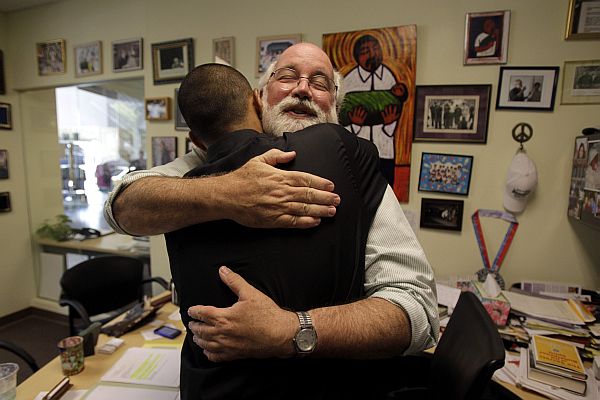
[450, 114]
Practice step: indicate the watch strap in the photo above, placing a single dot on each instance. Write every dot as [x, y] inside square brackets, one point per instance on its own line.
[304, 319]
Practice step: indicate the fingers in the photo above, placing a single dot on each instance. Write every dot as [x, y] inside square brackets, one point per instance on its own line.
[303, 179]
[235, 282]
[275, 156]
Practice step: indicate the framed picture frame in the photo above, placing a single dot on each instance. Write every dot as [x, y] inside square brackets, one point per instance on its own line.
[88, 59]
[268, 48]
[128, 55]
[527, 88]
[452, 113]
[164, 150]
[582, 20]
[2, 81]
[171, 61]
[5, 202]
[51, 57]
[486, 37]
[224, 51]
[3, 164]
[441, 214]
[445, 173]
[581, 82]
[180, 124]
[5, 116]
[158, 108]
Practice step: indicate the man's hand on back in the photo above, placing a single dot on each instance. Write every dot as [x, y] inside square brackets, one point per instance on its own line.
[263, 196]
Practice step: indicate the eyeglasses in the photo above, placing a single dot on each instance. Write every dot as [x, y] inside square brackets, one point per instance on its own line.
[290, 78]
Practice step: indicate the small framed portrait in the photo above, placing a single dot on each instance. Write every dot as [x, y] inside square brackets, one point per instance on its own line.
[5, 117]
[268, 49]
[581, 82]
[128, 55]
[2, 81]
[51, 57]
[527, 88]
[164, 150]
[4, 201]
[224, 51]
[180, 124]
[486, 37]
[171, 61]
[452, 113]
[88, 59]
[441, 214]
[158, 109]
[3, 164]
[445, 173]
[582, 20]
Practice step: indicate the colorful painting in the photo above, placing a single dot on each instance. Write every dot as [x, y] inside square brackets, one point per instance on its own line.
[445, 173]
[379, 69]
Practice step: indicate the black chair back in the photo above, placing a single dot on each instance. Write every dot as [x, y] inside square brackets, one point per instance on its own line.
[468, 353]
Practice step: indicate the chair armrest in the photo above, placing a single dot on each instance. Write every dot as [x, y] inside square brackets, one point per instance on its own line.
[19, 351]
[162, 282]
[78, 307]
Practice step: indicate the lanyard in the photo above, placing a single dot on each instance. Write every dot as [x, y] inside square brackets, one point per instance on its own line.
[510, 234]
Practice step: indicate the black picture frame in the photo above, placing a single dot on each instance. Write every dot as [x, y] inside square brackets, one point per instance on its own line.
[127, 55]
[5, 202]
[441, 214]
[432, 125]
[445, 173]
[5, 116]
[4, 164]
[180, 124]
[516, 88]
[172, 61]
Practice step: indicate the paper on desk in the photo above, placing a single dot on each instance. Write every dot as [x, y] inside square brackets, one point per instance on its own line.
[147, 366]
[446, 295]
[555, 310]
[175, 316]
[111, 392]
[69, 395]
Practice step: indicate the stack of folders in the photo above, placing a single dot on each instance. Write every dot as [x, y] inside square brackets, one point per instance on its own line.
[556, 363]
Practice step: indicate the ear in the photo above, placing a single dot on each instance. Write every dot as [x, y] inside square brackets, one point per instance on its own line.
[257, 102]
[196, 141]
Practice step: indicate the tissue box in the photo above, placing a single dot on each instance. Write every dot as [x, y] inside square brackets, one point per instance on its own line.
[497, 307]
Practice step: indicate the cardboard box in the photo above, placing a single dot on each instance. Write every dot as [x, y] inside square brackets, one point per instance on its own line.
[497, 307]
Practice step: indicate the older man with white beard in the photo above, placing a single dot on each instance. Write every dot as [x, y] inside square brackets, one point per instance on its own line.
[394, 318]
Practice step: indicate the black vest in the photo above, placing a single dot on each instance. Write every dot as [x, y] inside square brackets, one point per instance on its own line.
[299, 269]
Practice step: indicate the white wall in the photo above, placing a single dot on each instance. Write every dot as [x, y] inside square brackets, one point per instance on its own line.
[546, 247]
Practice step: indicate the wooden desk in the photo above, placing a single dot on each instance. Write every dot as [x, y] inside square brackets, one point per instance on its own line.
[113, 243]
[95, 366]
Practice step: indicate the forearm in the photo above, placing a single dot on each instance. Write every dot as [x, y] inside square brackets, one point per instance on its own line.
[369, 328]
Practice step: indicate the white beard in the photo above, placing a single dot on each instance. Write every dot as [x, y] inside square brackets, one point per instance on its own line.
[276, 121]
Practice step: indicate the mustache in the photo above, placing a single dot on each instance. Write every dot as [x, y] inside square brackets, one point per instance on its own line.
[291, 103]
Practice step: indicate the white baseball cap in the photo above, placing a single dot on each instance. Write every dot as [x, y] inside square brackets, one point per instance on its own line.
[521, 181]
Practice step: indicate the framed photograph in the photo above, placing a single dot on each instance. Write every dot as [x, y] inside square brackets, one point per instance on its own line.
[527, 88]
[5, 117]
[445, 173]
[441, 214]
[581, 82]
[268, 48]
[452, 113]
[171, 61]
[180, 124]
[582, 20]
[4, 201]
[486, 37]
[224, 51]
[3, 164]
[128, 55]
[158, 109]
[88, 59]
[164, 150]
[51, 57]
[2, 81]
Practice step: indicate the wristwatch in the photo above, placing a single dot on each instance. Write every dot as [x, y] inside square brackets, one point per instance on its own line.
[305, 340]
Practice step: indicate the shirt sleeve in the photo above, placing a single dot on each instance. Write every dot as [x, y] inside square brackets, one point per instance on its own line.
[176, 168]
[396, 269]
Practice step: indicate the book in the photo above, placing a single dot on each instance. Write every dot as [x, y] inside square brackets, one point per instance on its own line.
[556, 310]
[558, 381]
[558, 357]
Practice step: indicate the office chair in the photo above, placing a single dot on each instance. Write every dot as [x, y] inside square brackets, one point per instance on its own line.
[468, 353]
[101, 285]
[21, 353]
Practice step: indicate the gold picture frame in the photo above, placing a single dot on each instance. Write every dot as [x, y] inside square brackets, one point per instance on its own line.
[578, 25]
[51, 57]
[224, 51]
[581, 82]
[158, 109]
[268, 48]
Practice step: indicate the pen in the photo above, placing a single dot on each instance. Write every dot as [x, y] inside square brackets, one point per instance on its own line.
[57, 391]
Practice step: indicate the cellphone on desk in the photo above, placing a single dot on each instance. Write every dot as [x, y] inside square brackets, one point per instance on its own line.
[167, 331]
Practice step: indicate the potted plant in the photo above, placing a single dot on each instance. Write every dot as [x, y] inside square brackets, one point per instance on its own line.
[57, 229]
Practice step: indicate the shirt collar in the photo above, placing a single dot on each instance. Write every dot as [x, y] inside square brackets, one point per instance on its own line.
[364, 74]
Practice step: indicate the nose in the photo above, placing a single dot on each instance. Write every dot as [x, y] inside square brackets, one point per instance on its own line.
[302, 90]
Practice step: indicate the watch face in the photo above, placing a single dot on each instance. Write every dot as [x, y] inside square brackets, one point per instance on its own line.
[306, 340]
